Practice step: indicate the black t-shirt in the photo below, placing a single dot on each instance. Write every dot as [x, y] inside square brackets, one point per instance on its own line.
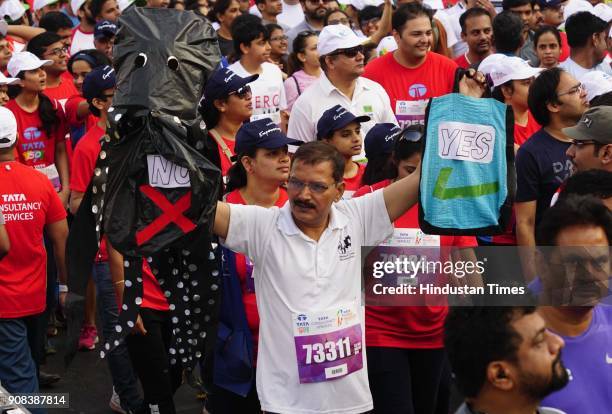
[226, 46]
[541, 167]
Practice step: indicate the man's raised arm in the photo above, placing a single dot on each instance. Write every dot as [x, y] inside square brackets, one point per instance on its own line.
[222, 219]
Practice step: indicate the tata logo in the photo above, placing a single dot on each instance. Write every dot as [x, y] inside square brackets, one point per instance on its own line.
[302, 321]
[31, 133]
[418, 90]
[301, 317]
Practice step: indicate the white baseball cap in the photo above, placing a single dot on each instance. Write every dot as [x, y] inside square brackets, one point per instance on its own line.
[12, 8]
[603, 11]
[361, 4]
[596, 83]
[75, 5]
[336, 36]
[8, 128]
[124, 4]
[21, 61]
[39, 4]
[7, 81]
[502, 68]
[575, 6]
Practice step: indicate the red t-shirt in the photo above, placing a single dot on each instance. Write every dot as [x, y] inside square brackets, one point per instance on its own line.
[71, 107]
[565, 49]
[523, 133]
[248, 295]
[352, 184]
[410, 89]
[34, 147]
[63, 91]
[462, 62]
[420, 327]
[28, 202]
[226, 163]
[152, 295]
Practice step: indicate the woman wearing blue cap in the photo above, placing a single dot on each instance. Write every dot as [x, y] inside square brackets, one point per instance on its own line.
[341, 129]
[262, 166]
[407, 366]
[225, 106]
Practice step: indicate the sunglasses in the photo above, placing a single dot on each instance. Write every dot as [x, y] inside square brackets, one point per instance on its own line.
[307, 33]
[349, 53]
[410, 135]
[242, 93]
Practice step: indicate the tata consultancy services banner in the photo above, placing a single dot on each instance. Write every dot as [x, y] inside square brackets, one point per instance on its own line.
[467, 177]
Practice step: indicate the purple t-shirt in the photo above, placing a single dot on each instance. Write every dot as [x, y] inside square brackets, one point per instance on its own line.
[541, 167]
[588, 358]
[296, 84]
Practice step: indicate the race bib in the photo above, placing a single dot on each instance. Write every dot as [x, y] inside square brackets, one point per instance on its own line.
[328, 343]
[51, 172]
[410, 112]
[274, 115]
[411, 238]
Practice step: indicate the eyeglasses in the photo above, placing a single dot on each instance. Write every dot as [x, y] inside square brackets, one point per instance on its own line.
[242, 93]
[58, 51]
[278, 38]
[296, 185]
[349, 53]
[342, 20]
[580, 143]
[573, 91]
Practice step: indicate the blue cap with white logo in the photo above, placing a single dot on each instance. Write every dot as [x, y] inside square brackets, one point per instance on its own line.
[263, 133]
[335, 118]
[223, 82]
[97, 81]
[380, 139]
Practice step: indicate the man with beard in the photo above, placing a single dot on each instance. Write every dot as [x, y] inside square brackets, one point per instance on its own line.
[477, 32]
[314, 13]
[504, 359]
[83, 34]
[587, 36]
[578, 277]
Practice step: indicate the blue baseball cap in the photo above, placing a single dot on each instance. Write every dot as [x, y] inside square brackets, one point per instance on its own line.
[105, 29]
[263, 133]
[380, 139]
[223, 82]
[335, 118]
[549, 3]
[97, 81]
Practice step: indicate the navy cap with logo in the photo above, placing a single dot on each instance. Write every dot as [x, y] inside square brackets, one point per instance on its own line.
[105, 29]
[380, 139]
[335, 118]
[263, 133]
[223, 82]
[97, 81]
[549, 3]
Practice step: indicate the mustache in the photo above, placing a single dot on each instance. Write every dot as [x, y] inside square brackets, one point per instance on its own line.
[303, 204]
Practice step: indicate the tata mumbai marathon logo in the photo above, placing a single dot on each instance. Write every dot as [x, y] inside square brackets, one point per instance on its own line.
[412, 112]
[33, 145]
[306, 323]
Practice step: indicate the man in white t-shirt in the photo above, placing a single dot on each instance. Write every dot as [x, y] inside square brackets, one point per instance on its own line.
[587, 37]
[307, 259]
[83, 34]
[252, 46]
[340, 84]
[291, 16]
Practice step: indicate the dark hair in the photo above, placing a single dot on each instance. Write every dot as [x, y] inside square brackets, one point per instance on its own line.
[245, 29]
[330, 12]
[510, 4]
[581, 26]
[46, 110]
[210, 113]
[407, 12]
[313, 153]
[93, 57]
[602, 100]
[476, 336]
[597, 183]
[55, 21]
[546, 29]
[498, 94]
[237, 175]
[573, 210]
[507, 32]
[473, 12]
[219, 7]
[543, 90]
[299, 46]
[369, 12]
[39, 43]
[95, 7]
[270, 27]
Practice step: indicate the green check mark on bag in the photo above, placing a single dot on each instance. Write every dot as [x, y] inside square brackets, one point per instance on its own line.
[442, 192]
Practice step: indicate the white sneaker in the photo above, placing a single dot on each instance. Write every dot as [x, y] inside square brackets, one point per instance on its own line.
[115, 403]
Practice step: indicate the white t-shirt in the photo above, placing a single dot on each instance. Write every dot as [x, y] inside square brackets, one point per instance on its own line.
[292, 15]
[296, 275]
[268, 91]
[578, 71]
[81, 41]
[369, 98]
[450, 20]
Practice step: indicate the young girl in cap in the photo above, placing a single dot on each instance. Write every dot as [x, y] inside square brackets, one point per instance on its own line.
[341, 129]
[261, 168]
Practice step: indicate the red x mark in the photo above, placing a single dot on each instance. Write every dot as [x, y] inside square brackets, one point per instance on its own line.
[172, 213]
